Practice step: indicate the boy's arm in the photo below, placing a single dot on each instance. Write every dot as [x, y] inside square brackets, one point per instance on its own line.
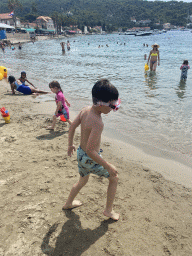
[72, 129]
[91, 151]
[29, 83]
[13, 88]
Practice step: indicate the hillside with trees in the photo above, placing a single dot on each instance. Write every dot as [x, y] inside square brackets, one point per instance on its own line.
[110, 14]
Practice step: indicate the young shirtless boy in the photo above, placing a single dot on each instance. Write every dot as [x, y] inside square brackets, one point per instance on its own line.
[105, 98]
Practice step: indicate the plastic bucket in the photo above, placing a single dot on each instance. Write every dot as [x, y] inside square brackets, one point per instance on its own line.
[7, 119]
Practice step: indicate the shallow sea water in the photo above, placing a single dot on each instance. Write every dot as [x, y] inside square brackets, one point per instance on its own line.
[156, 107]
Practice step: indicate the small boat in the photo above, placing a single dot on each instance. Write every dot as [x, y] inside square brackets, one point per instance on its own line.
[129, 33]
[144, 33]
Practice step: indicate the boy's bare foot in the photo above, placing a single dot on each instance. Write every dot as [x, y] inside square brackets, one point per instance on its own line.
[75, 203]
[35, 94]
[113, 215]
[49, 128]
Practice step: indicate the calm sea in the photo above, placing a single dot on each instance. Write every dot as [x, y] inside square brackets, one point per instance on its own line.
[156, 108]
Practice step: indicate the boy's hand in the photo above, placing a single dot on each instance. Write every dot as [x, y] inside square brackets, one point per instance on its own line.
[112, 170]
[70, 150]
[68, 104]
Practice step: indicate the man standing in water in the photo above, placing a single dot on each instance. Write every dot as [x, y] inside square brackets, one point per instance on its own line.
[63, 47]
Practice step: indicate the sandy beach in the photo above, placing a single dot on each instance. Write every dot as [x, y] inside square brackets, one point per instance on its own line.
[36, 175]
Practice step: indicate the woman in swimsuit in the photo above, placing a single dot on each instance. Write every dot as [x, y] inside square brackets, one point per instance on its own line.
[18, 86]
[153, 57]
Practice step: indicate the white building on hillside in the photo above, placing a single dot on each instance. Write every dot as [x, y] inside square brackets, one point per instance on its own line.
[8, 19]
[85, 30]
[45, 22]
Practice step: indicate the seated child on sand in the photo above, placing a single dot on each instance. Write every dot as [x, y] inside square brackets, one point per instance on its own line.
[23, 79]
[18, 86]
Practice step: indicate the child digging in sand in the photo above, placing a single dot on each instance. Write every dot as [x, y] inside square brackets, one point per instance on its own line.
[105, 98]
[62, 108]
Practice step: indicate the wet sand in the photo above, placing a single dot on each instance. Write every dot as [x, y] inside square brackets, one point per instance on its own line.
[36, 176]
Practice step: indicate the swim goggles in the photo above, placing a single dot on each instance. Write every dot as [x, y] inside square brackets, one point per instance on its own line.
[114, 104]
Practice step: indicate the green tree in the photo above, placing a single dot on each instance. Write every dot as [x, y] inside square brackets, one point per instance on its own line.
[55, 18]
[34, 7]
[30, 17]
[108, 13]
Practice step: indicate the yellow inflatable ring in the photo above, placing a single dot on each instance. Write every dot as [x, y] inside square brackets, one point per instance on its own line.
[3, 71]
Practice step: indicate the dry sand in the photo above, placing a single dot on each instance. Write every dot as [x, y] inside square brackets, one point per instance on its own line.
[35, 179]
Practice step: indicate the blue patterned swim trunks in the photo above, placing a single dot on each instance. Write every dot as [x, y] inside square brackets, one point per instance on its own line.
[86, 165]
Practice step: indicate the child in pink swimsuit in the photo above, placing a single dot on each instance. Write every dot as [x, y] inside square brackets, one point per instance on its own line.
[61, 101]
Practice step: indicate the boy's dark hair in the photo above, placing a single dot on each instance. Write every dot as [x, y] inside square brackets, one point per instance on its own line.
[23, 72]
[55, 84]
[185, 62]
[11, 79]
[104, 91]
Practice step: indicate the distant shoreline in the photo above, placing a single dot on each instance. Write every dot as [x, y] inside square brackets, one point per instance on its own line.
[25, 38]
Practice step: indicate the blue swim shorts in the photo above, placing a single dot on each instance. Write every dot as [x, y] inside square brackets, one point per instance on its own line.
[24, 89]
[86, 165]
